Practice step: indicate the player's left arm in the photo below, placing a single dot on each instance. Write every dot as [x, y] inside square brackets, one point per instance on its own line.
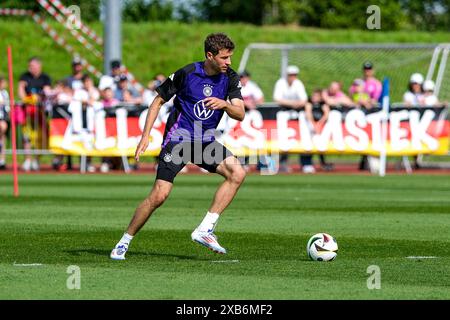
[235, 108]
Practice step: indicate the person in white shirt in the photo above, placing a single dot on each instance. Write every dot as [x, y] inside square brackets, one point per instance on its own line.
[4, 119]
[429, 98]
[290, 93]
[250, 91]
[414, 96]
[253, 97]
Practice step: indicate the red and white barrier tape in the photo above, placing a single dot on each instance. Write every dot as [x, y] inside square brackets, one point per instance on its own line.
[81, 39]
[66, 12]
[63, 43]
[15, 12]
[52, 11]
[60, 40]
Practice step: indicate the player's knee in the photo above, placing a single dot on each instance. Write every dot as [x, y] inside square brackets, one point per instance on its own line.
[159, 197]
[238, 175]
[162, 196]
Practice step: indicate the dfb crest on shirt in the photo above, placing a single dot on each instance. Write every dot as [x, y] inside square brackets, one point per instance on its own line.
[207, 90]
[201, 111]
[168, 157]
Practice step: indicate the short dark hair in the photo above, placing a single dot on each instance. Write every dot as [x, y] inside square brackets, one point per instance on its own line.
[35, 58]
[85, 77]
[216, 42]
[115, 64]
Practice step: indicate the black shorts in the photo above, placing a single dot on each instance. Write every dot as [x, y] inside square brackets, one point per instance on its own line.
[174, 156]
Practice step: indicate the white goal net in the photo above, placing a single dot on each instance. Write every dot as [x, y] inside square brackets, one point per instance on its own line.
[321, 64]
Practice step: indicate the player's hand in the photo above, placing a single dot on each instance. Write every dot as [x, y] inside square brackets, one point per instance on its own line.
[214, 103]
[142, 146]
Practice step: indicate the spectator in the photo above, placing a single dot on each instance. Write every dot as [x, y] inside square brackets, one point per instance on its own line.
[4, 118]
[111, 80]
[359, 97]
[429, 98]
[108, 99]
[251, 93]
[160, 77]
[116, 71]
[334, 96]
[372, 86]
[414, 95]
[150, 92]
[34, 86]
[62, 95]
[125, 93]
[252, 96]
[64, 92]
[88, 85]
[75, 80]
[290, 93]
[316, 112]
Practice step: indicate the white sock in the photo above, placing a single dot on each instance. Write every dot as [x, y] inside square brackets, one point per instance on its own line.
[126, 238]
[209, 222]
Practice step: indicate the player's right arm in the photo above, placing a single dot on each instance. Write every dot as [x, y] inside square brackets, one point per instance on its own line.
[166, 91]
[149, 121]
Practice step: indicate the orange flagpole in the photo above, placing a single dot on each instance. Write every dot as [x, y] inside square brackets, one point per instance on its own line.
[13, 123]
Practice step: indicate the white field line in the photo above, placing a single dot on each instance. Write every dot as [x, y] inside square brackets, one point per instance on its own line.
[27, 264]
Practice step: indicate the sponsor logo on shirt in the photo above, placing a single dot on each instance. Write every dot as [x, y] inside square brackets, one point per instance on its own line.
[201, 112]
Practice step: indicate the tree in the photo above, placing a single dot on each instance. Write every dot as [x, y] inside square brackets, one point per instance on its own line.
[144, 10]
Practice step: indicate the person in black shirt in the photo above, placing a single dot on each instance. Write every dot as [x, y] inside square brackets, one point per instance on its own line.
[34, 85]
[316, 112]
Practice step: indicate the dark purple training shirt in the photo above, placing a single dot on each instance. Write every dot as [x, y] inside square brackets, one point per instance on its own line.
[189, 120]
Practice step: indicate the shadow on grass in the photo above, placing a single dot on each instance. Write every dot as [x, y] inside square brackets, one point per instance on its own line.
[106, 253]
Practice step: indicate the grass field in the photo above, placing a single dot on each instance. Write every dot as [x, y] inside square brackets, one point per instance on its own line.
[63, 220]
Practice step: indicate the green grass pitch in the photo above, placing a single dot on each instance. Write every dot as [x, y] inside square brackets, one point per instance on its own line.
[64, 220]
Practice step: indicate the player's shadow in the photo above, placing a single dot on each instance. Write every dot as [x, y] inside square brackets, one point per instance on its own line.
[103, 253]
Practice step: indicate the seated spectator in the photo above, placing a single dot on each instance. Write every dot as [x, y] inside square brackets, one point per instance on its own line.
[75, 79]
[64, 92]
[122, 87]
[316, 112]
[108, 99]
[4, 119]
[150, 92]
[252, 96]
[429, 98]
[334, 96]
[160, 77]
[414, 95]
[88, 84]
[250, 91]
[359, 96]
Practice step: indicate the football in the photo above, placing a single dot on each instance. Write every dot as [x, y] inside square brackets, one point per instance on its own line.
[322, 247]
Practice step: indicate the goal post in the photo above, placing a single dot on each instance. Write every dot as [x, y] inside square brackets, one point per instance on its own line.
[320, 64]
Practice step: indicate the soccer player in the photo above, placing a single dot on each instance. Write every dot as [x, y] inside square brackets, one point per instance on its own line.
[204, 91]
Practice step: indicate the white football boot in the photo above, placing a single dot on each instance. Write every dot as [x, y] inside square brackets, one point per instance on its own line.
[209, 240]
[118, 253]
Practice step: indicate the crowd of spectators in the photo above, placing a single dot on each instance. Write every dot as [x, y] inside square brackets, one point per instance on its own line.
[38, 96]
